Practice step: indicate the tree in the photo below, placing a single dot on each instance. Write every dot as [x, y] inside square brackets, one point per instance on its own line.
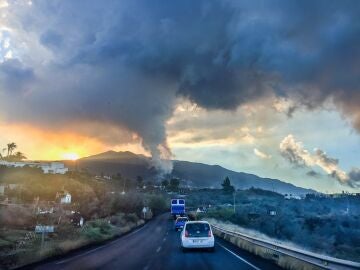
[10, 148]
[165, 183]
[227, 187]
[117, 176]
[19, 156]
[157, 203]
[139, 181]
[174, 184]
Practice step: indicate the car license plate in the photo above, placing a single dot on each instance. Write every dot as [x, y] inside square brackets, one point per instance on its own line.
[197, 241]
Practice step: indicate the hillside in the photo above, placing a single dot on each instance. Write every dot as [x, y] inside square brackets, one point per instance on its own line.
[193, 174]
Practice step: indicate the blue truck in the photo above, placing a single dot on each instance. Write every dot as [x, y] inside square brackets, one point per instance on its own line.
[177, 207]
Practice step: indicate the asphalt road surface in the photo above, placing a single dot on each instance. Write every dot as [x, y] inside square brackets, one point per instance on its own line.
[157, 246]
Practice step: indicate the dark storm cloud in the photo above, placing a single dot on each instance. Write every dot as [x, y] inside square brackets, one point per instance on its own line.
[14, 76]
[51, 39]
[124, 62]
[354, 176]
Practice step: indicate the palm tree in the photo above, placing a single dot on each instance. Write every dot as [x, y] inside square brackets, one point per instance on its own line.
[2, 156]
[10, 148]
[19, 156]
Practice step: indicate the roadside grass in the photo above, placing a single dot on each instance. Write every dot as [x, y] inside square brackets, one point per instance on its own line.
[12, 235]
[5, 244]
[283, 261]
[287, 262]
[66, 239]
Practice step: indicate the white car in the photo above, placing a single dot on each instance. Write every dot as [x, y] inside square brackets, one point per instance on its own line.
[197, 234]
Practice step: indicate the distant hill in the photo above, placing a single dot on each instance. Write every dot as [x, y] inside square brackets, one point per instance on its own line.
[192, 174]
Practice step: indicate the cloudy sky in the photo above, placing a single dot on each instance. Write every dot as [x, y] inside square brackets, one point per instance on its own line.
[266, 87]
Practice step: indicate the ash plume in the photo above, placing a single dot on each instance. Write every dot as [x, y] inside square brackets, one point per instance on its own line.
[124, 63]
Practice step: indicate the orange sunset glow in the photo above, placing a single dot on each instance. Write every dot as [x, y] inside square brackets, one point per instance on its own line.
[47, 145]
[70, 156]
[39, 144]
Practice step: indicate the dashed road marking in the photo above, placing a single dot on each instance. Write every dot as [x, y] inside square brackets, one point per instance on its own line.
[164, 239]
[240, 258]
[158, 249]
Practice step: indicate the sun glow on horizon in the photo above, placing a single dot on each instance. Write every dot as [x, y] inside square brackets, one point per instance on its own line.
[70, 156]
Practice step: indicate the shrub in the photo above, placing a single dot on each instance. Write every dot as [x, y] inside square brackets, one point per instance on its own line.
[131, 218]
[16, 217]
[127, 203]
[118, 220]
[97, 230]
[158, 204]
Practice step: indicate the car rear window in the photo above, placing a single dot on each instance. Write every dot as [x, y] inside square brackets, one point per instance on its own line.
[181, 219]
[197, 229]
[174, 202]
[181, 202]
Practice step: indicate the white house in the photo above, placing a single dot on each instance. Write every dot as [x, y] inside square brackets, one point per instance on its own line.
[46, 167]
[66, 198]
[13, 186]
[54, 168]
[272, 213]
[290, 196]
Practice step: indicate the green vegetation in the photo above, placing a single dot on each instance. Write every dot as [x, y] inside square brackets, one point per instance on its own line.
[107, 210]
[19, 247]
[174, 184]
[158, 204]
[319, 224]
[227, 187]
[113, 206]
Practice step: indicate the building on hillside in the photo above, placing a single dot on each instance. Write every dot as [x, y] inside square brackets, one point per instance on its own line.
[291, 196]
[65, 198]
[13, 186]
[2, 189]
[272, 212]
[77, 219]
[46, 167]
[44, 210]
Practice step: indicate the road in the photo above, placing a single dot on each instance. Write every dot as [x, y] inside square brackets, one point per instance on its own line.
[157, 246]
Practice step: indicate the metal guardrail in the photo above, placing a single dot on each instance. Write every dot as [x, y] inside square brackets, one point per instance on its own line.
[322, 261]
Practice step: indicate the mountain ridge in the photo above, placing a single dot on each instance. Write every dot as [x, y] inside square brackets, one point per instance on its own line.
[193, 174]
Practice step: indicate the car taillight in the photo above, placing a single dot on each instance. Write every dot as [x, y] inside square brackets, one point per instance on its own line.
[186, 234]
[209, 233]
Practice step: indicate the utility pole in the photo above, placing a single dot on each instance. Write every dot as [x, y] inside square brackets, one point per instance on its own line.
[42, 239]
[234, 201]
[123, 192]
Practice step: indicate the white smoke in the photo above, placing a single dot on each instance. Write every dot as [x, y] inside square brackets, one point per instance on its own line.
[295, 153]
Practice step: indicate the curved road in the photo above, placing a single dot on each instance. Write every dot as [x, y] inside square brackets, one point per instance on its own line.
[157, 246]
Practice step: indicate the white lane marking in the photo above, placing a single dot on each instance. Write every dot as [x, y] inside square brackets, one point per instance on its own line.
[164, 239]
[240, 258]
[95, 249]
[158, 249]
